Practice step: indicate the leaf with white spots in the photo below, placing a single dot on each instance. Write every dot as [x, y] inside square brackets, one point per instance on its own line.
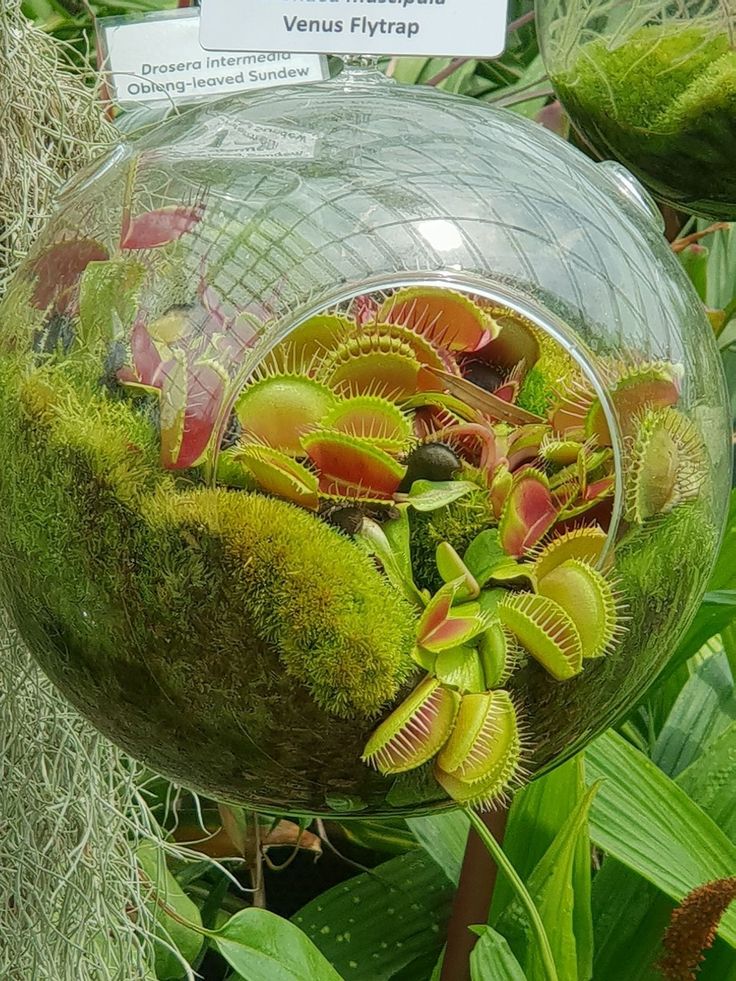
[259, 944]
[379, 922]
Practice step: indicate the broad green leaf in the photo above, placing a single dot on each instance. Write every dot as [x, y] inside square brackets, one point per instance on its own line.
[389, 837]
[420, 968]
[410, 70]
[536, 817]
[551, 887]
[643, 818]
[728, 644]
[704, 708]
[398, 535]
[630, 914]
[374, 538]
[492, 959]
[711, 781]
[375, 924]
[436, 974]
[719, 964]
[166, 891]
[429, 495]
[260, 944]
[484, 554]
[443, 836]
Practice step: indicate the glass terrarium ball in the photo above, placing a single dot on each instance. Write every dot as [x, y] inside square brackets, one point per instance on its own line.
[363, 449]
[652, 84]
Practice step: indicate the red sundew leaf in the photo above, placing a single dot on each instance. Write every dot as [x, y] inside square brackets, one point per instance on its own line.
[158, 227]
[191, 399]
[352, 467]
[58, 269]
[528, 514]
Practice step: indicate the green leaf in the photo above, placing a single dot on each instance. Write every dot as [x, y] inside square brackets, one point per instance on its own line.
[694, 260]
[410, 70]
[375, 539]
[430, 495]
[704, 708]
[551, 885]
[168, 892]
[488, 562]
[108, 289]
[711, 781]
[443, 836]
[536, 817]
[398, 535]
[484, 554]
[437, 972]
[630, 917]
[375, 924]
[630, 914]
[492, 959]
[260, 944]
[648, 823]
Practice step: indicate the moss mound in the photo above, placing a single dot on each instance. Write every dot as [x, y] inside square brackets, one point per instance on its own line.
[458, 523]
[221, 636]
[664, 103]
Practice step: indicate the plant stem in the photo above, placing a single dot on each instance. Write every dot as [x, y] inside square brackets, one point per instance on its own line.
[499, 857]
[472, 902]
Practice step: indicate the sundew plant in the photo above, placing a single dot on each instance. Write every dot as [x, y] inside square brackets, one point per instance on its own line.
[451, 506]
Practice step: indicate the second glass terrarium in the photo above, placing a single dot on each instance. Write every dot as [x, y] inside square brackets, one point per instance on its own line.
[364, 449]
[652, 83]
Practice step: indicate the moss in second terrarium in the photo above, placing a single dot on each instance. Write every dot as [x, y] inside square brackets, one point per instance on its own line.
[664, 103]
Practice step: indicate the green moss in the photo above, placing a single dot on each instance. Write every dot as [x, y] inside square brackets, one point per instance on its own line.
[217, 635]
[337, 625]
[553, 369]
[457, 523]
[664, 103]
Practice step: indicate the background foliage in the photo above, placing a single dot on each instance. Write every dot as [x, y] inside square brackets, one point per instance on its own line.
[607, 845]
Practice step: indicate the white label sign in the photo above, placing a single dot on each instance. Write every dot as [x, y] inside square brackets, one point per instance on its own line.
[462, 28]
[158, 58]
